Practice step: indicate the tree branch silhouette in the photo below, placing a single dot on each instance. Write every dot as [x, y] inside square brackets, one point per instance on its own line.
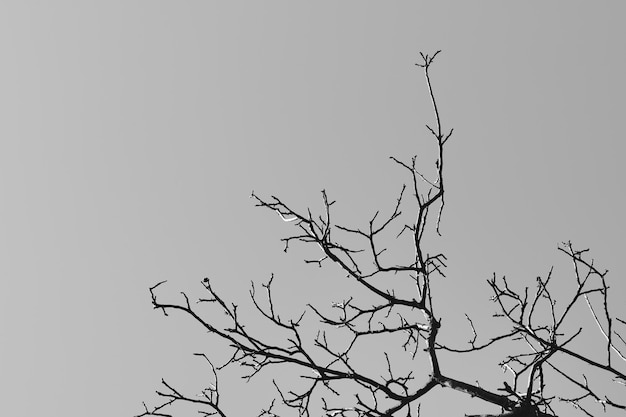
[326, 370]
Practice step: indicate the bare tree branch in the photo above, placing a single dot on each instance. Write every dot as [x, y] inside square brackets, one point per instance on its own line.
[539, 329]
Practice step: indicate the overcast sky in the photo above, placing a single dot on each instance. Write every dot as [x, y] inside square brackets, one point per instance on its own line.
[133, 132]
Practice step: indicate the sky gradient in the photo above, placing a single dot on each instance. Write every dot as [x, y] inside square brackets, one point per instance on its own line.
[133, 133]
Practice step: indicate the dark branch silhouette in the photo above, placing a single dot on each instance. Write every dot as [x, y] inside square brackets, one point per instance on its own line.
[538, 327]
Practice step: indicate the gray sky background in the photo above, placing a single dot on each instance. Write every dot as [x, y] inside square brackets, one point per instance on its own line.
[132, 133]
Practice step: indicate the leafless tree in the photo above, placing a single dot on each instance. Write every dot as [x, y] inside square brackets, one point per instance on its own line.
[539, 330]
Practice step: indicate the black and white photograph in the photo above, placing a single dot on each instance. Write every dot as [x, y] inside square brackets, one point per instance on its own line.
[312, 208]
